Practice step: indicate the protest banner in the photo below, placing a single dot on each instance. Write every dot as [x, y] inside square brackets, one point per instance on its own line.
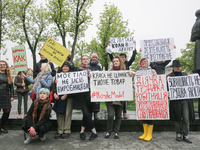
[72, 82]
[158, 49]
[184, 87]
[151, 98]
[121, 44]
[19, 58]
[109, 86]
[55, 52]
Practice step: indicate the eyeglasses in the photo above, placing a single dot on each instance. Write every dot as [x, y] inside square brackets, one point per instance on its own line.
[85, 59]
[2, 64]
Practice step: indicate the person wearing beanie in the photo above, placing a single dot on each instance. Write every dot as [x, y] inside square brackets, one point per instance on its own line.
[95, 67]
[145, 70]
[127, 64]
[38, 117]
[181, 111]
[63, 107]
[195, 37]
[72, 67]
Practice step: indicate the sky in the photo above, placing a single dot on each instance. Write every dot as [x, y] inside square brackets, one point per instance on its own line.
[149, 19]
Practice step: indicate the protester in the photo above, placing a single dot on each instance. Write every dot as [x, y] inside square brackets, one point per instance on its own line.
[195, 37]
[22, 91]
[145, 70]
[127, 64]
[38, 117]
[6, 86]
[159, 66]
[86, 105]
[63, 108]
[43, 60]
[45, 79]
[115, 107]
[181, 110]
[72, 67]
[95, 67]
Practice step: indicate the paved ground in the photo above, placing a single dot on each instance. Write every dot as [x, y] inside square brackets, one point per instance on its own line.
[128, 141]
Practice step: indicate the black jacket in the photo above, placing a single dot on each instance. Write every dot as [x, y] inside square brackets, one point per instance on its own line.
[5, 86]
[159, 68]
[38, 66]
[175, 106]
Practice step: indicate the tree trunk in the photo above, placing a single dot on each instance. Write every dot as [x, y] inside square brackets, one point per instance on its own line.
[74, 43]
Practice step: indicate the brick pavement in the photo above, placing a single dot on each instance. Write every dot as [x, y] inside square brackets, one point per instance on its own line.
[128, 141]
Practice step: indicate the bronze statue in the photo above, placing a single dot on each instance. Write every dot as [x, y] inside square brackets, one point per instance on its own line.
[195, 37]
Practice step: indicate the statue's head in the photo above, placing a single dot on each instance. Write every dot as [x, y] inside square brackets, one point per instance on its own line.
[197, 14]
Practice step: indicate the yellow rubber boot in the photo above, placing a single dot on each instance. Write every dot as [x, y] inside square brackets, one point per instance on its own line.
[145, 127]
[149, 135]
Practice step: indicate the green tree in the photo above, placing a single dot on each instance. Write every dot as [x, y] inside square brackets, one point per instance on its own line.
[187, 57]
[111, 25]
[29, 23]
[71, 16]
[135, 65]
[3, 23]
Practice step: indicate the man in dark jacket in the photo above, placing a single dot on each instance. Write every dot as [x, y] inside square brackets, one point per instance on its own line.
[159, 66]
[181, 110]
[195, 37]
[127, 63]
[38, 66]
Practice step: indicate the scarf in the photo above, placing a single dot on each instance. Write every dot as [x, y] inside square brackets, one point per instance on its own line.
[114, 68]
[84, 67]
[46, 107]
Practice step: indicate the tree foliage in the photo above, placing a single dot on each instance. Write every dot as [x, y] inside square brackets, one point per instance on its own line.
[71, 16]
[187, 58]
[29, 23]
[111, 25]
[3, 23]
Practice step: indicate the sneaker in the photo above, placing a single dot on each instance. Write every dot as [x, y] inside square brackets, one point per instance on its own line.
[28, 140]
[65, 135]
[93, 136]
[186, 139]
[121, 116]
[19, 116]
[3, 130]
[116, 136]
[125, 116]
[82, 136]
[107, 136]
[43, 137]
[179, 137]
[58, 136]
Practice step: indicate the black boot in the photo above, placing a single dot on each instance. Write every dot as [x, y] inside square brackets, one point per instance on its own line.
[96, 117]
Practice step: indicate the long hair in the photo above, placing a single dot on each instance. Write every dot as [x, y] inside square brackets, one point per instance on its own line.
[122, 65]
[7, 72]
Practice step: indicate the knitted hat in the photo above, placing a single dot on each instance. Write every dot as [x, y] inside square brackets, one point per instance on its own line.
[67, 63]
[94, 55]
[141, 61]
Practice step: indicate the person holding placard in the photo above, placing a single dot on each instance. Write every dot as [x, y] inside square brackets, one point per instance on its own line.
[22, 91]
[181, 111]
[86, 105]
[6, 86]
[43, 60]
[95, 67]
[38, 117]
[45, 79]
[115, 107]
[63, 107]
[145, 70]
[195, 37]
[127, 64]
[72, 67]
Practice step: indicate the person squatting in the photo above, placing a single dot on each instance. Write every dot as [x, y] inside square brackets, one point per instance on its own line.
[37, 121]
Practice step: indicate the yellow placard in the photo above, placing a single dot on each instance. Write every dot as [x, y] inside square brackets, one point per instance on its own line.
[55, 52]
